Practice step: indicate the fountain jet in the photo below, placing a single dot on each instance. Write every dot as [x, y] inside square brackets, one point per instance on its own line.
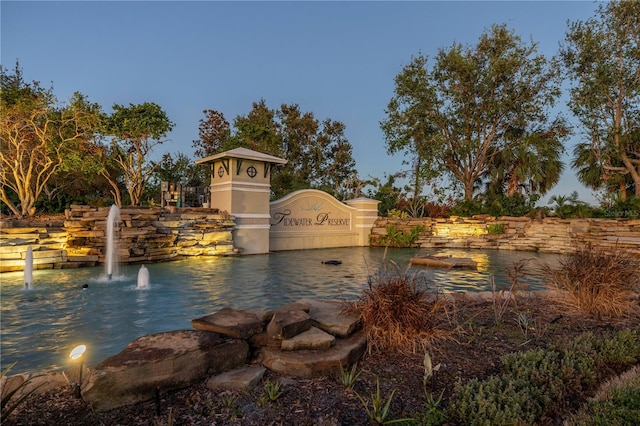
[28, 269]
[143, 278]
[111, 262]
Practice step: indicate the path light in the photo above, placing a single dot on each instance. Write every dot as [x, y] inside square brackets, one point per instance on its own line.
[75, 354]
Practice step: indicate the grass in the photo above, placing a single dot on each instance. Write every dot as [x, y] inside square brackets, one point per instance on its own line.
[597, 282]
[399, 313]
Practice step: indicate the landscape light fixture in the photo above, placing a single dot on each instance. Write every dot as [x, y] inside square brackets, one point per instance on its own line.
[75, 354]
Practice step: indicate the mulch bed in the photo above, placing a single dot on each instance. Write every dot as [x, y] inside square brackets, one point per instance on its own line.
[473, 349]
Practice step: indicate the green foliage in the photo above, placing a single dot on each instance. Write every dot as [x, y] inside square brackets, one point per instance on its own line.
[270, 392]
[135, 131]
[434, 414]
[613, 352]
[616, 404]
[495, 229]
[496, 205]
[424, 116]
[398, 238]
[317, 152]
[602, 61]
[555, 377]
[569, 206]
[538, 383]
[349, 377]
[41, 139]
[621, 349]
[379, 411]
[616, 207]
[397, 214]
[498, 400]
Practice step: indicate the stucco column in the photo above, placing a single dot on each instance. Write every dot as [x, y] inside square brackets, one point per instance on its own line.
[365, 217]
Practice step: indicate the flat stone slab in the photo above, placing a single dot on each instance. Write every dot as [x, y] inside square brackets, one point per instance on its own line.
[230, 322]
[170, 360]
[287, 324]
[314, 338]
[314, 363]
[329, 316]
[240, 379]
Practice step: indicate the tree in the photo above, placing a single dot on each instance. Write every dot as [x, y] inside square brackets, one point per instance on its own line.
[38, 139]
[530, 163]
[318, 154]
[180, 169]
[461, 115]
[602, 58]
[134, 131]
[406, 129]
[214, 131]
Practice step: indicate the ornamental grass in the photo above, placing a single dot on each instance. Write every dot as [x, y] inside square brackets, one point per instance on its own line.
[597, 282]
[400, 313]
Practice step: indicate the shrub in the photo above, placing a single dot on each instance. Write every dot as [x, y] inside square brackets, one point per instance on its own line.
[620, 350]
[497, 400]
[617, 403]
[495, 229]
[398, 238]
[555, 377]
[398, 313]
[596, 282]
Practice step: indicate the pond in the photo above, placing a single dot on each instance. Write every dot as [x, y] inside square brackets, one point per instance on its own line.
[40, 326]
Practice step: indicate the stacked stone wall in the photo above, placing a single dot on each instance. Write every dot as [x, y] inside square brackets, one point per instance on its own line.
[549, 235]
[144, 235]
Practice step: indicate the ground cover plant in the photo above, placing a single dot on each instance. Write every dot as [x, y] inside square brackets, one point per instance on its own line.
[460, 367]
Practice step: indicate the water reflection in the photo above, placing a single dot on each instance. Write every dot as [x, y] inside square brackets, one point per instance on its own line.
[41, 326]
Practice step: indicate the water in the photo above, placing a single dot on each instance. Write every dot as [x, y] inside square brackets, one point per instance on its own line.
[40, 327]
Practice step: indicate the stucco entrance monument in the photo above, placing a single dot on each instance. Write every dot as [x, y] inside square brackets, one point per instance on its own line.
[241, 186]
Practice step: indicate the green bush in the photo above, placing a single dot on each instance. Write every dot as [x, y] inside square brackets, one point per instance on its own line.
[498, 400]
[621, 349]
[556, 377]
[397, 238]
[616, 403]
[495, 229]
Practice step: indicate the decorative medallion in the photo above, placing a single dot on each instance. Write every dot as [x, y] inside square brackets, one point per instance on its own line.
[252, 172]
[220, 171]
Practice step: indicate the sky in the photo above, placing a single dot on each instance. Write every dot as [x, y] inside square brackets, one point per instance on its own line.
[337, 60]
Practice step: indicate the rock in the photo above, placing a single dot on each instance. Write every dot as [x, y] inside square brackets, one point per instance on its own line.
[264, 340]
[240, 379]
[313, 363]
[314, 338]
[287, 324]
[329, 316]
[230, 322]
[171, 360]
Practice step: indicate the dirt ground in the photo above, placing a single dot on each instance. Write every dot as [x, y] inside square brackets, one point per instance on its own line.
[474, 348]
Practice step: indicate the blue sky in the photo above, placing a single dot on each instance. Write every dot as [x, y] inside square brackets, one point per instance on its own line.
[335, 59]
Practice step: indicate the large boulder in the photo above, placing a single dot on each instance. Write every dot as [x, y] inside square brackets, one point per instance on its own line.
[170, 360]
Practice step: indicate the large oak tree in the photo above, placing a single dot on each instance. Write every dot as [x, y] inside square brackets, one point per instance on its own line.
[459, 118]
[39, 138]
[602, 56]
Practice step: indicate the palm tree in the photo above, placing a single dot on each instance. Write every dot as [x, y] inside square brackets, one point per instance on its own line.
[530, 165]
